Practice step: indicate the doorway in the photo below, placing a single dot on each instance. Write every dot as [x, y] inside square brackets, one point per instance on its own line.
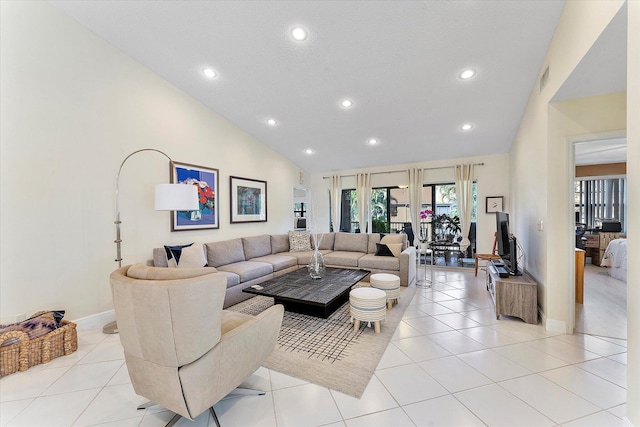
[599, 176]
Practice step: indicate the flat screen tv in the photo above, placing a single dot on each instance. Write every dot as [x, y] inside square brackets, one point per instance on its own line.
[507, 247]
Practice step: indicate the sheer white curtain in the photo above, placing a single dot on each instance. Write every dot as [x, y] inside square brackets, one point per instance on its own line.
[336, 197]
[363, 181]
[415, 198]
[464, 190]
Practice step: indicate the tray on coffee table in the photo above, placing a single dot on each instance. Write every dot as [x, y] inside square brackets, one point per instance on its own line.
[298, 292]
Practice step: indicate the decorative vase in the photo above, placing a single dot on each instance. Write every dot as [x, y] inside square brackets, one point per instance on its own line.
[316, 265]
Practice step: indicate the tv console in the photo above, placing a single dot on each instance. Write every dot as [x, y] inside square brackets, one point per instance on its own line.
[513, 295]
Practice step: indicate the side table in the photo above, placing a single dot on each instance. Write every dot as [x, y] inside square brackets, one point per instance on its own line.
[424, 249]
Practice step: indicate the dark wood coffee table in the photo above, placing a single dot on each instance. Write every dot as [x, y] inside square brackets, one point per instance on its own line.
[316, 297]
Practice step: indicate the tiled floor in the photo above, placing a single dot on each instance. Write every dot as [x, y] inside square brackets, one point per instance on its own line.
[450, 363]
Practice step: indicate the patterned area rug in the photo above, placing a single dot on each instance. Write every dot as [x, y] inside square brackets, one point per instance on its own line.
[328, 352]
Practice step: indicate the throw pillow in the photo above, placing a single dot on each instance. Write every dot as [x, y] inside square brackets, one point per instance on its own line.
[391, 238]
[383, 250]
[193, 256]
[174, 253]
[299, 241]
[395, 248]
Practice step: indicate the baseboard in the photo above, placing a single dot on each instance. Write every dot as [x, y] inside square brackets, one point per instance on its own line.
[95, 321]
[556, 326]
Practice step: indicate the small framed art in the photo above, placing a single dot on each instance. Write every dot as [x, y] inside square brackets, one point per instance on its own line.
[494, 204]
[248, 200]
[206, 179]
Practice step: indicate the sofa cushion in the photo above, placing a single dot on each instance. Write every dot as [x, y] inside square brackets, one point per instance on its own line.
[373, 240]
[372, 262]
[144, 272]
[299, 241]
[159, 257]
[343, 259]
[256, 246]
[248, 270]
[225, 252]
[279, 243]
[328, 240]
[279, 262]
[232, 278]
[351, 242]
[304, 257]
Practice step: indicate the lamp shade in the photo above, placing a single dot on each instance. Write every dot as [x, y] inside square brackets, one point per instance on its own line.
[176, 197]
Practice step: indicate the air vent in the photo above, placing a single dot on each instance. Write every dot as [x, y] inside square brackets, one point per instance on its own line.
[544, 79]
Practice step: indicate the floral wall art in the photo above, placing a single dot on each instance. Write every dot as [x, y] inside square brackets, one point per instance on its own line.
[206, 180]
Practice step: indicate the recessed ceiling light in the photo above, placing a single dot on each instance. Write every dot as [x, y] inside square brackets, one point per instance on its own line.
[272, 122]
[467, 74]
[346, 103]
[209, 72]
[466, 126]
[299, 33]
[309, 151]
[372, 141]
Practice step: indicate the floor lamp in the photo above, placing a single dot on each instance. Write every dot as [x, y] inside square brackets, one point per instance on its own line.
[168, 197]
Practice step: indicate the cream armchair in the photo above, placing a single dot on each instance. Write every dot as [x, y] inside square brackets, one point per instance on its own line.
[182, 350]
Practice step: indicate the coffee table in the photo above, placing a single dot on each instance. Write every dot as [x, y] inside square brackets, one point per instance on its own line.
[316, 297]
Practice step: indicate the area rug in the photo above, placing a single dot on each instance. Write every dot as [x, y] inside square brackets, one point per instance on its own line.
[328, 352]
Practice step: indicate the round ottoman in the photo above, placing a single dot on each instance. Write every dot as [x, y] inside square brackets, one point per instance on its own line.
[390, 283]
[367, 305]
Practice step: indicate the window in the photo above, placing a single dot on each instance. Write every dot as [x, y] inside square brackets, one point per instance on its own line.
[389, 210]
[446, 202]
[598, 199]
[390, 207]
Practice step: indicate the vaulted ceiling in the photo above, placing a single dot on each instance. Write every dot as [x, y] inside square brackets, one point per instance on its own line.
[397, 61]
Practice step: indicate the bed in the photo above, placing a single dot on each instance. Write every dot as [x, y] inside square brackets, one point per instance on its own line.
[615, 259]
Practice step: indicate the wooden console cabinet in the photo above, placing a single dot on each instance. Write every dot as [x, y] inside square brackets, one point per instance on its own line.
[514, 295]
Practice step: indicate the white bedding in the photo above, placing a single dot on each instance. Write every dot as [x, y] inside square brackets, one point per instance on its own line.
[615, 258]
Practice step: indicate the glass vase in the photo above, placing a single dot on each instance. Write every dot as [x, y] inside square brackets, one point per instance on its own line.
[316, 265]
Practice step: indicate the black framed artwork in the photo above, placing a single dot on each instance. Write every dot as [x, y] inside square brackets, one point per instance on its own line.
[495, 204]
[248, 200]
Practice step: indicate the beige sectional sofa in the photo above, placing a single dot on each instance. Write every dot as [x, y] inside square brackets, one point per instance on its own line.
[251, 260]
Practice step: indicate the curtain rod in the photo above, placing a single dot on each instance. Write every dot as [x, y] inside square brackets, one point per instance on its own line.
[404, 170]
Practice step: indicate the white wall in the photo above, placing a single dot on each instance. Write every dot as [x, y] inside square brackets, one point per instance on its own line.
[492, 180]
[633, 211]
[576, 118]
[72, 108]
[539, 161]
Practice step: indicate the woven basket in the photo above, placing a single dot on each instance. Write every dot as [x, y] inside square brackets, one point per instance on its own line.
[30, 352]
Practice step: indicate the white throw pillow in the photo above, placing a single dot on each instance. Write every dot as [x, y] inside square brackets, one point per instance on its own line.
[193, 257]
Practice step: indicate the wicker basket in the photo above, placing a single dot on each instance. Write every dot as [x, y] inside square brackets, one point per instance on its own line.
[30, 352]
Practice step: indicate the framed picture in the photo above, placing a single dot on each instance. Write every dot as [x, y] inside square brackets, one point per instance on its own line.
[248, 200]
[206, 179]
[494, 204]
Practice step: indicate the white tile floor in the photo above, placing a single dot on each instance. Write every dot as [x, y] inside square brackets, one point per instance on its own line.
[450, 362]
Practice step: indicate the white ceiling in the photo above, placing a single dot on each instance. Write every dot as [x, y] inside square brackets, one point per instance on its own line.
[397, 60]
[601, 151]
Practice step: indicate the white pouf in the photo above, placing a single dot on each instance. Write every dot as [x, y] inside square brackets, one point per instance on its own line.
[390, 283]
[367, 305]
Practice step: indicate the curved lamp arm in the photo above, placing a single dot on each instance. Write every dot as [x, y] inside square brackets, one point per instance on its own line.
[191, 205]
